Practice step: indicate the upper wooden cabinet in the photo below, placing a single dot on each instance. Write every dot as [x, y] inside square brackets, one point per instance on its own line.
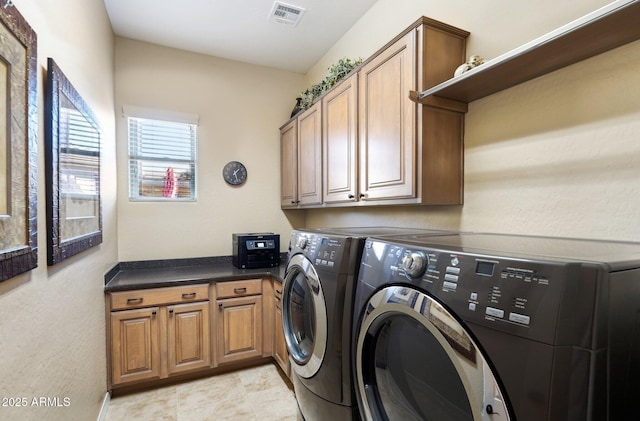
[410, 154]
[289, 164]
[379, 147]
[310, 157]
[387, 122]
[339, 142]
[301, 165]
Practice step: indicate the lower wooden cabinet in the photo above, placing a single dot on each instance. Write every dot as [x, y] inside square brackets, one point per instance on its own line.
[239, 329]
[280, 353]
[157, 333]
[135, 345]
[171, 336]
[239, 325]
[188, 340]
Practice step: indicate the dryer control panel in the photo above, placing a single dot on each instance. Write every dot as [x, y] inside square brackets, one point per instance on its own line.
[547, 301]
[324, 252]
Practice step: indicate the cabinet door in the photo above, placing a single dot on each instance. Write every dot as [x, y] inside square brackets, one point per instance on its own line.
[188, 337]
[339, 138]
[387, 123]
[289, 164]
[310, 156]
[239, 329]
[135, 345]
[281, 355]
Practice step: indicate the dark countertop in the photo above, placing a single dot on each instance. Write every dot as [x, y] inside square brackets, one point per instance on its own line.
[161, 273]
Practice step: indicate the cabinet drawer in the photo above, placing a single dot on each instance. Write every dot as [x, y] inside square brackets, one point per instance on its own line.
[239, 288]
[158, 296]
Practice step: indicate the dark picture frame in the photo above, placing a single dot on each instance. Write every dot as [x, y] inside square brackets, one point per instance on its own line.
[18, 143]
[72, 165]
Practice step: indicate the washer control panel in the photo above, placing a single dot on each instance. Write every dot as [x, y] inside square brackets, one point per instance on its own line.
[414, 263]
[516, 295]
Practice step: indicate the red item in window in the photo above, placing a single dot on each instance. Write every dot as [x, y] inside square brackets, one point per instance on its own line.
[169, 184]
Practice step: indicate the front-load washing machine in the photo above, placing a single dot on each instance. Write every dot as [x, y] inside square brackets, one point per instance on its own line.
[317, 304]
[497, 327]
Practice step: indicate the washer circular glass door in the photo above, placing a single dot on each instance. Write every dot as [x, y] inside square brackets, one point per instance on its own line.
[415, 361]
[304, 316]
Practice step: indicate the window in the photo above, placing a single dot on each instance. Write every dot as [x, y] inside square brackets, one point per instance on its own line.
[162, 159]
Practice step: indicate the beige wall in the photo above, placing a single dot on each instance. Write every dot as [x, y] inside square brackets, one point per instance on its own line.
[559, 155]
[496, 26]
[240, 107]
[52, 331]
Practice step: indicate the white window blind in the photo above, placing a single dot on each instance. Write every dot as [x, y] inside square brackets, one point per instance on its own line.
[79, 153]
[162, 159]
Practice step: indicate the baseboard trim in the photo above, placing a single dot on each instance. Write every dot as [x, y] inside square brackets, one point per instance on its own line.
[102, 415]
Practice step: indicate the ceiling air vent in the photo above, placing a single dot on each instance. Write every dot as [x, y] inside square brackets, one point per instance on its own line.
[286, 13]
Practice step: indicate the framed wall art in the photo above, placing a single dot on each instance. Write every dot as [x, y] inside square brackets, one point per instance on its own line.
[72, 139]
[18, 143]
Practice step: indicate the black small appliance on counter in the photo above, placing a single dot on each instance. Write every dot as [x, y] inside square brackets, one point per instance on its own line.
[256, 250]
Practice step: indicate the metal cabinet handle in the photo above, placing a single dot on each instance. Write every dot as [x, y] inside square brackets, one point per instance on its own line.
[189, 295]
[134, 300]
[351, 196]
[240, 290]
[278, 291]
[171, 311]
[154, 312]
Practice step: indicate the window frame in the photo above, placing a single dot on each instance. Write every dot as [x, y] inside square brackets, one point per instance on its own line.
[139, 116]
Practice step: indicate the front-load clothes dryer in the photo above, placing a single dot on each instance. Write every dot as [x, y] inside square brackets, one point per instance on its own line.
[317, 304]
[474, 327]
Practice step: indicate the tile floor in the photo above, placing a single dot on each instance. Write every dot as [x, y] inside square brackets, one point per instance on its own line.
[253, 394]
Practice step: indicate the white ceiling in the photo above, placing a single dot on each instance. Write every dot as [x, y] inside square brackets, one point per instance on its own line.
[238, 29]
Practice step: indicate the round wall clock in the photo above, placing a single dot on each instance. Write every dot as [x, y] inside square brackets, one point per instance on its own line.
[234, 173]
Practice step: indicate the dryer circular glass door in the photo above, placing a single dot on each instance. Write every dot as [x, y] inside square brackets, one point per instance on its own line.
[304, 316]
[415, 361]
